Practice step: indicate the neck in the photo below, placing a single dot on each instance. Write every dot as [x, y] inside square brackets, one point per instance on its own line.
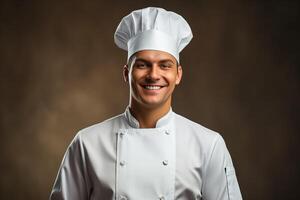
[148, 116]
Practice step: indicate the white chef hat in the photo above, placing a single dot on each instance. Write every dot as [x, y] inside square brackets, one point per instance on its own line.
[153, 29]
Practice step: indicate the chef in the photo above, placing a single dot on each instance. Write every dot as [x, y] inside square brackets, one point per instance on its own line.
[149, 152]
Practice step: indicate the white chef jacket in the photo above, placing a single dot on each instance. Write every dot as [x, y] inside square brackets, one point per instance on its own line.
[117, 160]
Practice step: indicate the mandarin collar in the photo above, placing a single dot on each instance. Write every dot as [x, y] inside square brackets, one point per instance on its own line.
[134, 123]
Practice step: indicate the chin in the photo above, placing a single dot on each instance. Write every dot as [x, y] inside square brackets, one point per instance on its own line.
[151, 103]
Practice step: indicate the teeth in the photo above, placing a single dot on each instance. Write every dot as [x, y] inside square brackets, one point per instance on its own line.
[149, 87]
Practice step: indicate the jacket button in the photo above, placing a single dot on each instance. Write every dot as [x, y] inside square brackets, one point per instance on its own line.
[122, 163]
[161, 198]
[167, 132]
[121, 133]
[165, 162]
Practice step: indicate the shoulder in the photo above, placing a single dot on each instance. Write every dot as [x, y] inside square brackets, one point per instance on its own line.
[195, 128]
[102, 129]
[196, 134]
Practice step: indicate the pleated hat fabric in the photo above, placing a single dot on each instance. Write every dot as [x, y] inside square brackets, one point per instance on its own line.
[153, 28]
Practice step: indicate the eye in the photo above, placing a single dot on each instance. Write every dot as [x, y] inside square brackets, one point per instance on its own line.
[140, 65]
[165, 65]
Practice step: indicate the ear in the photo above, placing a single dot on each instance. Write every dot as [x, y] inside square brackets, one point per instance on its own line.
[125, 73]
[179, 74]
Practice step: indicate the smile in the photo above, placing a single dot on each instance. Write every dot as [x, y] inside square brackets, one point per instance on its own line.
[152, 87]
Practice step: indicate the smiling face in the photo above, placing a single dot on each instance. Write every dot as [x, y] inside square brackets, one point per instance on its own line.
[152, 78]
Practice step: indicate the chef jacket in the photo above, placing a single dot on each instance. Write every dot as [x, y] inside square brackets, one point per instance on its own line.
[115, 159]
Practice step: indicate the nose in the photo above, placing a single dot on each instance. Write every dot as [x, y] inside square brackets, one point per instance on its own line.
[153, 72]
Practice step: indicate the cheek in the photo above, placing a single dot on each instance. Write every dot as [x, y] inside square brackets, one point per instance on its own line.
[133, 84]
[136, 74]
[134, 80]
[172, 79]
[132, 77]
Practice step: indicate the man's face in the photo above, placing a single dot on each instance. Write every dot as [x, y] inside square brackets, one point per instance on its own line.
[152, 77]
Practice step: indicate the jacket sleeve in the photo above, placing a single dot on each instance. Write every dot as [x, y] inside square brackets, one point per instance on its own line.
[71, 182]
[220, 182]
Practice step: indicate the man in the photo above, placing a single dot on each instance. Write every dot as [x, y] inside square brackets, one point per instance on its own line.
[149, 152]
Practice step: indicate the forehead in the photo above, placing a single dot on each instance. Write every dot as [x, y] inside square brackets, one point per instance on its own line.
[154, 55]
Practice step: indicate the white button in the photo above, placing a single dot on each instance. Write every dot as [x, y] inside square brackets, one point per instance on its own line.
[122, 163]
[122, 134]
[165, 162]
[122, 197]
[167, 132]
[161, 198]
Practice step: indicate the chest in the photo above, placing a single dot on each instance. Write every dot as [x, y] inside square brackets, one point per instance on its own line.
[148, 164]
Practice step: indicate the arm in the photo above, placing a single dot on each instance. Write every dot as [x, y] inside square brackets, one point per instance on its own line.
[71, 181]
[220, 182]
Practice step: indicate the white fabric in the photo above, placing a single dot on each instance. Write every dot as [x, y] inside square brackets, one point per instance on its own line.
[153, 29]
[116, 159]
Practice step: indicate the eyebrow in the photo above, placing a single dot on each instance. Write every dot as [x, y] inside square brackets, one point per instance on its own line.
[141, 60]
[148, 62]
[166, 60]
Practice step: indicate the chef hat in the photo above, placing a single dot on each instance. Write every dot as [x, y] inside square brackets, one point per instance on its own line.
[153, 29]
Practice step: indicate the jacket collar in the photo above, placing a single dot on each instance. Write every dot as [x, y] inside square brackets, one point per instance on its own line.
[163, 121]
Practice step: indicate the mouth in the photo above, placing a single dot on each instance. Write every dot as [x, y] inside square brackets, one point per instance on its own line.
[152, 87]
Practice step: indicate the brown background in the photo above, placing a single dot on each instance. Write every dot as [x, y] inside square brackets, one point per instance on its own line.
[60, 72]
